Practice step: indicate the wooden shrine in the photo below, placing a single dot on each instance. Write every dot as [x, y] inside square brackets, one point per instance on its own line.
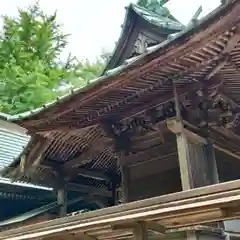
[153, 142]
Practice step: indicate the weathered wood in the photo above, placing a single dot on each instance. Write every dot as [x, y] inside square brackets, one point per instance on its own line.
[150, 226]
[93, 174]
[88, 189]
[62, 201]
[196, 155]
[86, 173]
[157, 184]
[183, 152]
[204, 205]
[154, 153]
[159, 165]
[140, 231]
[125, 175]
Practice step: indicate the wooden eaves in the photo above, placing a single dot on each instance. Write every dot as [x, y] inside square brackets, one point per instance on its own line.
[211, 46]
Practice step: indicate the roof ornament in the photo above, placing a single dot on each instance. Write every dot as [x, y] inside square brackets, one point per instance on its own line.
[196, 15]
[155, 6]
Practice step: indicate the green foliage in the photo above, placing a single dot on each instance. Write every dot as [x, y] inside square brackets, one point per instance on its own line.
[30, 70]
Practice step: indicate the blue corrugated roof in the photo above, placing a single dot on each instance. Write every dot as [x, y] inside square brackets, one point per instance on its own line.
[12, 142]
[11, 146]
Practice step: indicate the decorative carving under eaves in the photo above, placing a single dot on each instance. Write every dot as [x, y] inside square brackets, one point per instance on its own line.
[214, 110]
[142, 43]
[122, 132]
[229, 116]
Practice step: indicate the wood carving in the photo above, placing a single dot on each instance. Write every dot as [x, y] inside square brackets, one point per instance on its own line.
[142, 43]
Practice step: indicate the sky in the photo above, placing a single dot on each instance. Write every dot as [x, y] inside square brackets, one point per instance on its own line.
[94, 25]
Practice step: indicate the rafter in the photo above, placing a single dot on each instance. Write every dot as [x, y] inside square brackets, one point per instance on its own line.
[84, 158]
[88, 173]
[89, 190]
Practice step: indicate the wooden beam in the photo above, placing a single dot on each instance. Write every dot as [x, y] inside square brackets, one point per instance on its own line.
[224, 150]
[196, 155]
[88, 189]
[70, 236]
[183, 153]
[156, 152]
[207, 204]
[233, 41]
[85, 236]
[151, 226]
[90, 174]
[125, 175]
[77, 171]
[140, 231]
[216, 134]
[78, 161]
[62, 201]
[156, 166]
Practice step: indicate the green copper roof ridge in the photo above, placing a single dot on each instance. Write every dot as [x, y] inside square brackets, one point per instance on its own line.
[172, 18]
[177, 25]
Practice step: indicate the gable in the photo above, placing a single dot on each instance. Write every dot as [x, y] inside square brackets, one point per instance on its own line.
[141, 29]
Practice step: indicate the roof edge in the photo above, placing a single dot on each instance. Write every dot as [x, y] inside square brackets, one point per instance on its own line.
[119, 70]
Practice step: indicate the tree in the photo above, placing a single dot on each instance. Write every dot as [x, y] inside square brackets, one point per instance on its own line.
[31, 73]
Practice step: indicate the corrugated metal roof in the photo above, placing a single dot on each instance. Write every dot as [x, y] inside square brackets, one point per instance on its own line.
[29, 215]
[12, 143]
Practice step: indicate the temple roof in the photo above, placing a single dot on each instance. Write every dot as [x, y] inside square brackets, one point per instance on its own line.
[72, 130]
[137, 20]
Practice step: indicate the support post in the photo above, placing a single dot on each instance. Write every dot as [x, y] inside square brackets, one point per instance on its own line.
[62, 201]
[125, 175]
[140, 232]
[196, 154]
[114, 194]
[196, 157]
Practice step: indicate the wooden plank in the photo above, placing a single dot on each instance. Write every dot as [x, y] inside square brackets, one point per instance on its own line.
[86, 173]
[187, 212]
[158, 165]
[151, 226]
[152, 153]
[88, 189]
[93, 174]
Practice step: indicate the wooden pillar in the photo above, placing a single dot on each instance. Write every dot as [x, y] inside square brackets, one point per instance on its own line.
[196, 154]
[140, 232]
[114, 193]
[62, 201]
[196, 158]
[125, 176]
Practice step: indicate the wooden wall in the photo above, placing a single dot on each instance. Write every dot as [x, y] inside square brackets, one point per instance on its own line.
[156, 184]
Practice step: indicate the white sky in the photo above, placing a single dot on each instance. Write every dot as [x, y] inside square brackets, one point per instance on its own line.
[94, 25]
